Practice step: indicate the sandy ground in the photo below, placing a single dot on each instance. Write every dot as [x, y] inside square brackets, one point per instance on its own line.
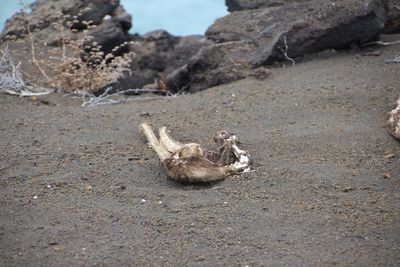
[79, 186]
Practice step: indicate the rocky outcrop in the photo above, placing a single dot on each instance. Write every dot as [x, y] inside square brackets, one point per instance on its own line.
[160, 52]
[244, 43]
[108, 23]
[392, 7]
[212, 65]
[111, 20]
[246, 40]
[151, 57]
[285, 31]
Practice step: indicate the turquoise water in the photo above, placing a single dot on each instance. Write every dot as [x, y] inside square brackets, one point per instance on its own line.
[179, 17]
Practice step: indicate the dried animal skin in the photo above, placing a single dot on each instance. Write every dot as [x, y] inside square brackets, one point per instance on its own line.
[190, 163]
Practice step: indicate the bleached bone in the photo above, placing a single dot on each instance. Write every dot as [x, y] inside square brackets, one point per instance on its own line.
[154, 143]
[169, 143]
[394, 121]
[190, 163]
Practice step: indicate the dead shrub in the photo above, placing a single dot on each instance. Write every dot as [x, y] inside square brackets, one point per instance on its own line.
[83, 66]
[89, 73]
[79, 65]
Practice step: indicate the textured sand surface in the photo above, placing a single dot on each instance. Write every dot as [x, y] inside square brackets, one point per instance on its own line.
[79, 186]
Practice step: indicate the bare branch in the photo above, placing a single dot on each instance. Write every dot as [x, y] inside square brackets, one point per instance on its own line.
[91, 100]
[35, 62]
[26, 92]
[11, 81]
[285, 51]
[380, 43]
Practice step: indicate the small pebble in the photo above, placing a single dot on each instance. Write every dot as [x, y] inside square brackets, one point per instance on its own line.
[347, 189]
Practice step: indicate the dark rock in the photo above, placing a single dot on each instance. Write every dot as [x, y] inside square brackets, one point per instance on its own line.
[108, 35]
[246, 40]
[184, 49]
[92, 10]
[212, 65]
[160, 52]
[301, 28]
[152, 51]
[236, 5]
[156, 47]
[393, 23]
[137, 78]
[392, 8]
[45, 13]
[111, 22]
[122, 17]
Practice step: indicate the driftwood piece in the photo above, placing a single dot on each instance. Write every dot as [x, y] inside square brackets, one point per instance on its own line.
[190, 163]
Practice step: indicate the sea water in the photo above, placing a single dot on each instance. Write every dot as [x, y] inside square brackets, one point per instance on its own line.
[179, 17]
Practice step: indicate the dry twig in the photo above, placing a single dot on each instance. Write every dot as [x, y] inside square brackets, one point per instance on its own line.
[11, 81]
[285, 51]
[91, 100]
[380, 43]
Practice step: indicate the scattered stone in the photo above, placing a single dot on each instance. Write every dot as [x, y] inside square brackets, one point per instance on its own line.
[389, 156]
[134, 157]
[347, 189]
[58, 249]
[372, 53]
[87, 187]
[261, 73]
[386, 175]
